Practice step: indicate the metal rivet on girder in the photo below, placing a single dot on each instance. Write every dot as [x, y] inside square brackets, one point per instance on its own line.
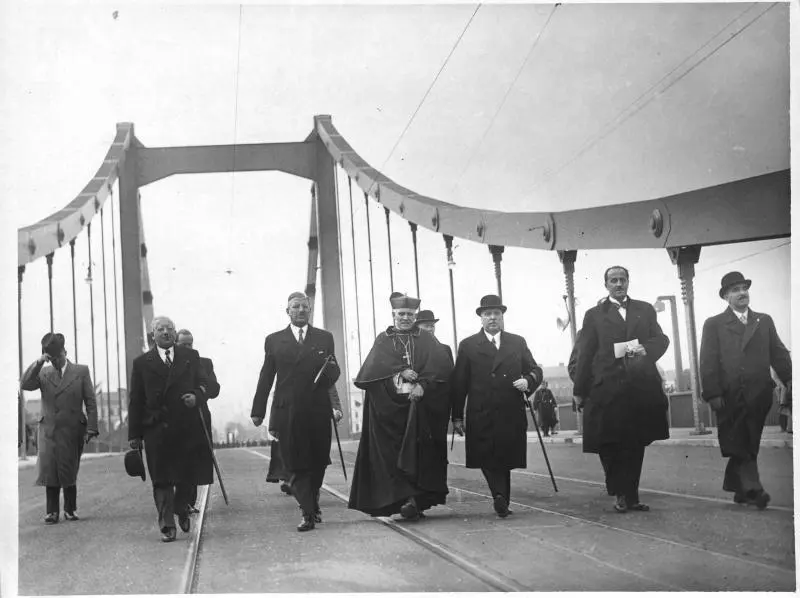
[480, 229]
[656, 223]
[378, 193]
[435, 219]
[96, 205]
[32, 246]
[60, 235]
[82, 220]
[402, 208]
[546, 232]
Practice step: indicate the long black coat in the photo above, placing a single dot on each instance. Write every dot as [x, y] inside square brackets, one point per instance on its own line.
[212, 391]
[301, 411]
[175, 444]
[620, 407]
[734, 364]
[496, 423]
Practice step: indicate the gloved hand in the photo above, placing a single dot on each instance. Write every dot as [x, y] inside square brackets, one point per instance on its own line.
[136, 443]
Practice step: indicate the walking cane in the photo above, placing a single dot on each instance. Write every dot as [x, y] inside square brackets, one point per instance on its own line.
[333, 419]
[213, 457]
[541, 442]
[339, 444]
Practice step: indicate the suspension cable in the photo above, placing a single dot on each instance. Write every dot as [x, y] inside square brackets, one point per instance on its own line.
[50, 285]
[497, 257]
[389, 241]
[451, 264]
[413, 226]
[91, 305]
[105, 324]
[355, 270]
[116, 308]
[371, 278]
[74, 300]
[22, 435]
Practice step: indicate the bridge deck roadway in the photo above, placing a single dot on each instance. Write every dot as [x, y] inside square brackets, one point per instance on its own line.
[694, 538]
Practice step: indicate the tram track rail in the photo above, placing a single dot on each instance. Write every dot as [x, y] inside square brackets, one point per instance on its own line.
[472, 566]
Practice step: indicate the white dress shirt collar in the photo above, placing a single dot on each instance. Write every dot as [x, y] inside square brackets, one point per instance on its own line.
[496, 337]
[296, 331]
[163, 352]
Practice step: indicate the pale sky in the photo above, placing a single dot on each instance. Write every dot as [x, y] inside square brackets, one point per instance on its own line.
[613, 104]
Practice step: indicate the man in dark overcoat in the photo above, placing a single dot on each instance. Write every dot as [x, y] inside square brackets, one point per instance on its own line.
[300, 417]
[736, 351]
[64, 427]
[186, 339]
[168, 385]
[546, 408]
[401, 465]
[493, 369]
[619, 388]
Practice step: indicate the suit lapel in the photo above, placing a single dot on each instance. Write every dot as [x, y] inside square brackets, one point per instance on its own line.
[734, 325]
[69, 375]
[611, 314]
[504, 351]
[178, 365]
[752, 324]
[155, 364]
[632, 319]
[484, 347]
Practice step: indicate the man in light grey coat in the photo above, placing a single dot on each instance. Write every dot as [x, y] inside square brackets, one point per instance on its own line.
[64, 427]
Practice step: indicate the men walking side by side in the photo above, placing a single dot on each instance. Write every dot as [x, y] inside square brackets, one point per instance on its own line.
[401, 466]
[619, 388]
[186, 339]
[300, 417]
[736, 351]
[493, 370]
[168, 386]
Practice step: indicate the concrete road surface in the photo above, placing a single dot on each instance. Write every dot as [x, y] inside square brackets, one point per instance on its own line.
[694, 538]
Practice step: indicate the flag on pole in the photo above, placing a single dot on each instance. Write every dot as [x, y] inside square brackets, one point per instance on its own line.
[563, 323]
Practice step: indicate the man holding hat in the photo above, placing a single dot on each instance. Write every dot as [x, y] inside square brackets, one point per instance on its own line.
[168, 386]
[493, 369]
[736, 352]
[300, 416]
[401, 466]
[64, 428]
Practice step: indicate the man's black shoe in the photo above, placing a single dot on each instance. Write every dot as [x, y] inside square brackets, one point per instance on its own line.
[621, 505]
[168, 534]
[317, 516]
[184, 522]
[409, 510]
[286, 488]
[761, 500]
[739, 498]
[307, 524]
[51, 518]
[70, 516]
[501, 506]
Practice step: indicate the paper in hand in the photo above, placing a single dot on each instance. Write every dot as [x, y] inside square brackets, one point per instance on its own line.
[621, 348]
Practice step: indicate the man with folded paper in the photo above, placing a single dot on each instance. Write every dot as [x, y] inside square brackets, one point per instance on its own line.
[401, 466]
[619, 388]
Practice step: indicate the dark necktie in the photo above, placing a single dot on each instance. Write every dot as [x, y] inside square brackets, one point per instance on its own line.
[300, 337]
[167, 359]
[494, 342]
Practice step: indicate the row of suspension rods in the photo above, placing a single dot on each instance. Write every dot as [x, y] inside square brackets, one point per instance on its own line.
[90, 281]
[495, 250]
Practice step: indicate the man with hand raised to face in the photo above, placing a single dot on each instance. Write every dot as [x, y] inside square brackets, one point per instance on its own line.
[736, 352]
[168, 384]
[493, 369]
[300, 417]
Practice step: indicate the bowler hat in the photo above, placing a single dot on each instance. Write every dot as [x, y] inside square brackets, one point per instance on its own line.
[491, 302]
[53, 343]
[731, 279]
[403, 301]
[426, 315]
[134, 464]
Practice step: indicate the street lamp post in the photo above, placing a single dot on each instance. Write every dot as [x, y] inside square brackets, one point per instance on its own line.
[659, 305]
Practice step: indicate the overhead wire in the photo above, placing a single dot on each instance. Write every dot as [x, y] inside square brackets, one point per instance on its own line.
[655, 91]
[229, 270]
[744, 257]
[478, 146]
[428, 91]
